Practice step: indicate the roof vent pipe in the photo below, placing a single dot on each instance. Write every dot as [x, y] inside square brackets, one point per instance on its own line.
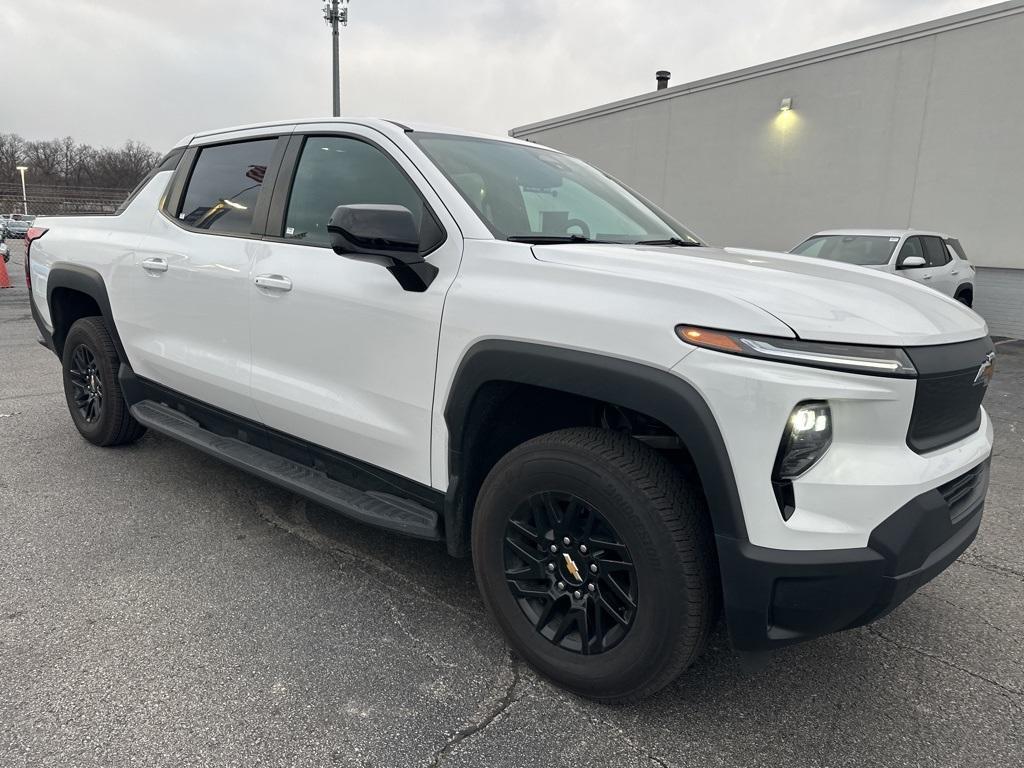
[662, 76]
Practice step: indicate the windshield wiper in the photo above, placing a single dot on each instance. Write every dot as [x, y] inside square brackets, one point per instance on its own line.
[676, 241]
[551, 239]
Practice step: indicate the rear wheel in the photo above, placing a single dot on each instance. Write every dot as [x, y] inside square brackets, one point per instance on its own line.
[596, 559]
[966, 297]
[93, 394]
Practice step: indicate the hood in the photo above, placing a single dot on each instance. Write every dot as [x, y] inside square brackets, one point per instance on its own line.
[819, 300]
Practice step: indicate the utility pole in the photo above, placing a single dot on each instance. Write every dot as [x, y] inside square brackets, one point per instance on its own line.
[24, 198]
[336, 16]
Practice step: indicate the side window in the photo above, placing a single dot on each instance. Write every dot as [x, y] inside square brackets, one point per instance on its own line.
[339, 170]
[224, 186]
[935, 251]
[911, 247]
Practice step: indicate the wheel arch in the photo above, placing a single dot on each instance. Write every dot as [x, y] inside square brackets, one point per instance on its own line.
[73, 292]
[650, 391]
[962, 289]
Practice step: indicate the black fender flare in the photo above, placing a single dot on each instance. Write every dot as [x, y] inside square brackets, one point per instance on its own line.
[960, 287]
[64, 275]
[651, 391]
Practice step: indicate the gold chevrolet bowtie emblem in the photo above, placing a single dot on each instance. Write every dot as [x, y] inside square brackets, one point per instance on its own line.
[571, 567]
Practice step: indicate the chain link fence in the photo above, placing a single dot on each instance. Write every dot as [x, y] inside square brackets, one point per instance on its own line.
[46, 200]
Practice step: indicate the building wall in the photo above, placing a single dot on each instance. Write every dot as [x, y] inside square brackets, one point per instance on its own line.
[927, 132]
[1000, 300]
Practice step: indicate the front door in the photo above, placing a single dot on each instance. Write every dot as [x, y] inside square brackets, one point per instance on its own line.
[913, 247]
[343, 357]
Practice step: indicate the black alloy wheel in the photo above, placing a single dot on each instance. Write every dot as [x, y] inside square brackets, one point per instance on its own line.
[90, 365]
[87, 387]
[570, 573]
[595, 556]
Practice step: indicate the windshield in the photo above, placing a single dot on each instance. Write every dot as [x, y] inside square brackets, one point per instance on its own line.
[863, 250]
[534, 194]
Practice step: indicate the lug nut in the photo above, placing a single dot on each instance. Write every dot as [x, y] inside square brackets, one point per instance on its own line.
[554, 548]
[577, 594]
[551, 566]
[583, 548]
[566, 541]
[591, 587]
[561, 585]
[593, 568]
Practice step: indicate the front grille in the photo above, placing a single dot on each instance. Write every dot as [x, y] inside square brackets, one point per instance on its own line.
[947, 405]
[965, 493]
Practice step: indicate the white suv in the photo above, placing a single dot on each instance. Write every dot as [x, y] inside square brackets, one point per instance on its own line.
[930, 258]
[491, 344]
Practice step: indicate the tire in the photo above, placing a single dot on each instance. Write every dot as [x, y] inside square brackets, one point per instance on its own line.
[661, 520]
[966, 298]
[104, 420]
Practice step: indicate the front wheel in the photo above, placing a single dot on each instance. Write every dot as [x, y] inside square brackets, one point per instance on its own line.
[596, 559]
[91, 388]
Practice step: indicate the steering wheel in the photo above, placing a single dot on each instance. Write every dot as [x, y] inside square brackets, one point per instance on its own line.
[578, 223]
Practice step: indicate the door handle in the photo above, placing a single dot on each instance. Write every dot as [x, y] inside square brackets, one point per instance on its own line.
[955, 272]
[274, 282]
[926, 277]
[154, 265]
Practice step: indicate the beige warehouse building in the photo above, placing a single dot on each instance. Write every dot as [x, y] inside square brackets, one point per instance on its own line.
[920, 127]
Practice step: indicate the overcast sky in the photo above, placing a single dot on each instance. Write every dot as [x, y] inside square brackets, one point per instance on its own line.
[104, 71]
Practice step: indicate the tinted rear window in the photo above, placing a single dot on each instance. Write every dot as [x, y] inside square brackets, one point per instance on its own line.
[225, 184]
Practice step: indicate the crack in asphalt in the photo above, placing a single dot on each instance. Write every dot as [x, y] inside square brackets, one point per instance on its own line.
[931, 596]
[300, 526]
[29, 394]
[976, 561]
[580, 706]
[1011, 694]
[480, 725]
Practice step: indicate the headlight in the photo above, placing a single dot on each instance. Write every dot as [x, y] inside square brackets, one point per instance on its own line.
[876, 361]
[806, 438]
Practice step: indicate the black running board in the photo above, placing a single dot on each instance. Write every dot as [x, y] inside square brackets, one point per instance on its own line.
[372, 507]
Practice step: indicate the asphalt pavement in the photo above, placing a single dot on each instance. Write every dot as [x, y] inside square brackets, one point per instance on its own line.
[160, 608]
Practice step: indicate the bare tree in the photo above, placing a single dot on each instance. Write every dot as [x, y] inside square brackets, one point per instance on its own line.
[65, 163]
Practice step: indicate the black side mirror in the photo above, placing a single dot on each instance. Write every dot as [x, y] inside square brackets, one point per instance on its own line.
[385, 235]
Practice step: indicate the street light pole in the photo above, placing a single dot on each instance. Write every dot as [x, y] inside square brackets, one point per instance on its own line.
[24, 197]
[335, 16]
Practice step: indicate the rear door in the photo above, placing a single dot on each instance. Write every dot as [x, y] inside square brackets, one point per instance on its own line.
[343, 357]
[941, 262]
[185, 317]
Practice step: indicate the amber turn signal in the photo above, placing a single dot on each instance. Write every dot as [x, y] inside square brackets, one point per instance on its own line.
[702, 337]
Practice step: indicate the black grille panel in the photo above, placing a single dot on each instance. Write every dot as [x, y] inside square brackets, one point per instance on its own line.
[966, 493]
[947, 406]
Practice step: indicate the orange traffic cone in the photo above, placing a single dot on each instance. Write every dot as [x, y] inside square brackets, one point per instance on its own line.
[5, 280]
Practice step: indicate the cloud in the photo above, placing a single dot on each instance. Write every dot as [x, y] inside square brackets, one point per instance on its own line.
[107, 72]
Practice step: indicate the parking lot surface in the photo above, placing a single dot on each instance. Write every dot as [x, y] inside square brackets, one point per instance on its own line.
[160, 608]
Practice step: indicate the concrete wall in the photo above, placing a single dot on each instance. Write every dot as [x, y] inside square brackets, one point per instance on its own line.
[925, 132]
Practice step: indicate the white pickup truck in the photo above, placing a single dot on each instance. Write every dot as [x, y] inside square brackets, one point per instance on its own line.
[491, 344]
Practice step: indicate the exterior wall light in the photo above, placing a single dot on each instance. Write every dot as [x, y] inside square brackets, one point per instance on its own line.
[786, 105]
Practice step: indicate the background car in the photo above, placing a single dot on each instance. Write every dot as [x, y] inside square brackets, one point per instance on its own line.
[930, 258]
[18, 223]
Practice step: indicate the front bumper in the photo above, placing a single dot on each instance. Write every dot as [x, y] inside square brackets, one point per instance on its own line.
[777, 597]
